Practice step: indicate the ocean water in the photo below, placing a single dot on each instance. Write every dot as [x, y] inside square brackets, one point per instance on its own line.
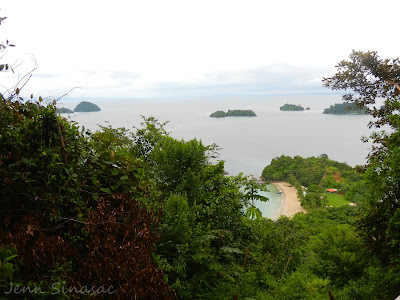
[247, 144]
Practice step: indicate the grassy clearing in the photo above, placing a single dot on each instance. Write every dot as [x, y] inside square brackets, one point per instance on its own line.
[336, 200]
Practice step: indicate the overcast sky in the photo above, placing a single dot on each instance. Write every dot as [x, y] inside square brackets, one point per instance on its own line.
[187, 48]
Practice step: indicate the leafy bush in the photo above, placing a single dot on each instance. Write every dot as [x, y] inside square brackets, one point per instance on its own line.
[76, 199]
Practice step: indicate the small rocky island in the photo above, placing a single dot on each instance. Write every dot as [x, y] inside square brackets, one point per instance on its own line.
[64, 110]
[233, 113]
[291, 107]
[86, 107]
[345, 108]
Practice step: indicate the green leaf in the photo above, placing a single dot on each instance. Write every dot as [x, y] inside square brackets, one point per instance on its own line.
[105, 190]
[125, 177]
[215, 266]
[227, 249]
[10, 257]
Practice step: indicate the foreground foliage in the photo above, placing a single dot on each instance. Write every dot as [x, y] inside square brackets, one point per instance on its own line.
[129, 212]
[70, 202]
[373, 80]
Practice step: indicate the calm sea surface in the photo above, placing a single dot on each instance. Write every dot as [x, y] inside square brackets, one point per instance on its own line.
[248, 143]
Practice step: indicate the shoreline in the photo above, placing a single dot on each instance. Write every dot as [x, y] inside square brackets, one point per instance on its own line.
[290, 202]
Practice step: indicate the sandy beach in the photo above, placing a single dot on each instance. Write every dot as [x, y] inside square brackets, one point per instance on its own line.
[291, 203]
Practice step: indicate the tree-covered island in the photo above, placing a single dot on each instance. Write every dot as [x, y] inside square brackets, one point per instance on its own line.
[291, 107]
[345, 108]
[64, 110]
[86, 107]
[233, 113]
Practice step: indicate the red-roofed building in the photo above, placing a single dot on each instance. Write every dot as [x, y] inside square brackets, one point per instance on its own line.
[331, 191]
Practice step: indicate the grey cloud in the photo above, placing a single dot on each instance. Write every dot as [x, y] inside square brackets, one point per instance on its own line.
[272, 79]
[269, 80]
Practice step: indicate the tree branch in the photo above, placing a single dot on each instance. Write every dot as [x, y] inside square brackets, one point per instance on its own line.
[395, 84]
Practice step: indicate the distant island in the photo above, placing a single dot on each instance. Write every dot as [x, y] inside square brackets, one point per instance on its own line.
[291, 107]
[86, 107]
[344, 109]
[233, 113]
[64, 110]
